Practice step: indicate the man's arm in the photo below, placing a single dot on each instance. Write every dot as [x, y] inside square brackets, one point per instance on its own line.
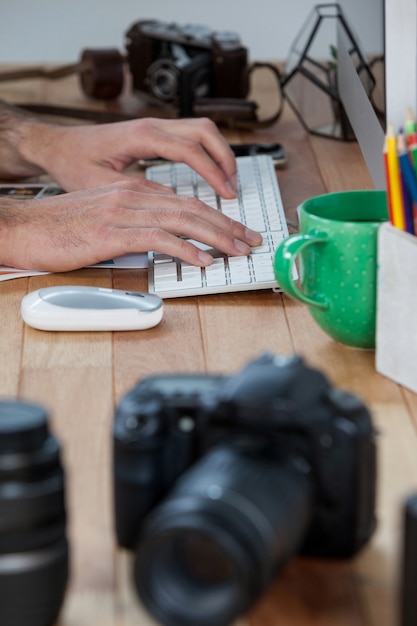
[17, 128]
[72, 230]
[80, 157]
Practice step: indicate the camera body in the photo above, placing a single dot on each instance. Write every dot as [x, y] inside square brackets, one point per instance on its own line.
[176, 64]
[257, 467]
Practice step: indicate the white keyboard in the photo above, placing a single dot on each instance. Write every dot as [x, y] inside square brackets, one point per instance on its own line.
[258, 205]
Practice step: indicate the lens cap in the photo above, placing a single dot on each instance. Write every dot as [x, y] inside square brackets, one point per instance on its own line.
[23, 426]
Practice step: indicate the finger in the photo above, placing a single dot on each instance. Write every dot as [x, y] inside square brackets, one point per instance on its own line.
[132, 240]
[205, 151]
[206, 132]
[182, 216]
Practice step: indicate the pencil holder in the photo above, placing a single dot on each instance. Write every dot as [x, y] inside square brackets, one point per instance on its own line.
[396, 325]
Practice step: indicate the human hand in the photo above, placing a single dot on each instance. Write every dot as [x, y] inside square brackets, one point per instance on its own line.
[77, 229]
[79, 157]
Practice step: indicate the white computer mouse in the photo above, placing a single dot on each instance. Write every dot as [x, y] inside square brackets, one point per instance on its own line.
[90, 308]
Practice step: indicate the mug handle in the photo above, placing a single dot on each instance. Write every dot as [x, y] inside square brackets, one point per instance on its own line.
[285, 256]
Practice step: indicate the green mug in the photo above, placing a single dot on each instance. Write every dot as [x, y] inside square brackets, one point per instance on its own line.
[337, 252]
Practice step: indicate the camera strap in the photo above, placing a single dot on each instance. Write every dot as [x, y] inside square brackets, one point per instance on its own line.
[99, 117]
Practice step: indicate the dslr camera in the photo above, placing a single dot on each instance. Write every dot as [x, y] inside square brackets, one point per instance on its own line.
[178, 64]
[220, 480]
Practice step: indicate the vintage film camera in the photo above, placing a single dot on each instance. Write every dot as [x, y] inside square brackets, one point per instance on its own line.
[179, 64]
[192, 70]
[220, 481]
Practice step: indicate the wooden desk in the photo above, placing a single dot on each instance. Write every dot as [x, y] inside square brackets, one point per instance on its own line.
[80, 377]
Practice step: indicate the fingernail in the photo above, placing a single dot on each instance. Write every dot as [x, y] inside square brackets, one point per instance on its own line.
[230, 188]
[252, 236]
[205, 258]
[242, 247]
[233, 183]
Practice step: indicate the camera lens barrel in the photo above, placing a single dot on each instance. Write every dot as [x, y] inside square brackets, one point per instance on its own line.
[33, 543]
[164, 80]
[209, 550]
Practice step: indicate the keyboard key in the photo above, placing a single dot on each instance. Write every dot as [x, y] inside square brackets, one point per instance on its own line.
[263, 267]
[165, 276]
[215, 273]
[231, 208]
[190, 276]
[162, 258]
[239, 270]
[254, 220]
[162, 286]
[264, 247]
[166, 269]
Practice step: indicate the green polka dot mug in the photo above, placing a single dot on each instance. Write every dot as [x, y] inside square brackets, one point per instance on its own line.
[337, 253]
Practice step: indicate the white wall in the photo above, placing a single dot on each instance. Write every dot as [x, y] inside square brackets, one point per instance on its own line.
[401, 37]
[57, 30]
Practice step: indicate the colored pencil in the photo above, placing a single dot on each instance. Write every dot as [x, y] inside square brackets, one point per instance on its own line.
[389, 196]
[412, 148]
[410, 124]
[408, 183]
[407, 205]
[394, 179]
[410, 127]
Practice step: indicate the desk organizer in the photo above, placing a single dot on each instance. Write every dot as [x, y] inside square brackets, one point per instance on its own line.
[396, 324]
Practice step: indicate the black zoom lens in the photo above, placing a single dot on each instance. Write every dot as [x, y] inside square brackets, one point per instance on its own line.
[211, 548]
[33, 544]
